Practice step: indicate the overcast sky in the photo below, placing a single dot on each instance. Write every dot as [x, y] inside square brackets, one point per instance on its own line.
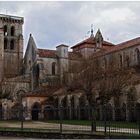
[54, 23]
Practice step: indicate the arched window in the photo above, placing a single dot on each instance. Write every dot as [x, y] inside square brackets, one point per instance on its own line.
[120, 61]
[5, 30]
[12, 45]
[5, 44]
[12, 31]
[53, 68]
[127, 61]
[137, 56]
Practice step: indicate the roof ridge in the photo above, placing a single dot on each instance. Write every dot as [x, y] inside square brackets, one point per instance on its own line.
[123, 43]
[45, 49]
[91, 40]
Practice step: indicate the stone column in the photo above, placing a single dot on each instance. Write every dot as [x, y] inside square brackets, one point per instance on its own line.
[28, 115]
[5, 114]
[1, 51]
[113, 113]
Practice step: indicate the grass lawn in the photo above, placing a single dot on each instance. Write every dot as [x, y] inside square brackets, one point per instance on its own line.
[132, 125]
[99, 123]
[65, 131]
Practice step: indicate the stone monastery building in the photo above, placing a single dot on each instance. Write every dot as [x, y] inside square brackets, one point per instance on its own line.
[35, 78]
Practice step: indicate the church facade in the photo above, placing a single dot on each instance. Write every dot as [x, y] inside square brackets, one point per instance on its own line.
[35, 79]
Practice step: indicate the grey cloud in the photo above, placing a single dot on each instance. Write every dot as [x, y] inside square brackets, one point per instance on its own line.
[52, 23]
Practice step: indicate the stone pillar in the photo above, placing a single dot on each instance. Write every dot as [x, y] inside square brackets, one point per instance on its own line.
[5, 111]
[113, 114]
[78, 112]
[1, 52]
[29, 114]
[41, 114]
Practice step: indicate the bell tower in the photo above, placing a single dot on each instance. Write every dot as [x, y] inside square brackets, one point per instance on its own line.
[11, 44]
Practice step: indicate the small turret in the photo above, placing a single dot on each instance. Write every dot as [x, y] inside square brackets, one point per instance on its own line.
[92, 35]
[99, 39]
[62, 51]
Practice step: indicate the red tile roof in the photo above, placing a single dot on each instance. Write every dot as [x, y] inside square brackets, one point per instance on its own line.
[53, 54]
[91, 40]
[47, 53]
[124, 45]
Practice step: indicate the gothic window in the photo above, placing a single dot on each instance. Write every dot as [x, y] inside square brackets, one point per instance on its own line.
[120, 59]
[5, 44]
[12, 45]
[137, 56]
[5, 30]
[12, 31]
[53, 68]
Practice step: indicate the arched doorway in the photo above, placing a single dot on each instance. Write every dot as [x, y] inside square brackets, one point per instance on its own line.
[73, 116]
[109, 112]
[56, 108]
[137, 111]
[131, 111]
[123, 112]
[35, 111]
[16, 112]
[49, 112]
[64, 104]
[0, 111]
[83, 108]
[117, 109]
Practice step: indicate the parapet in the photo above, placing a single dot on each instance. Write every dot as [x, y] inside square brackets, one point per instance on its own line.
[10, 18]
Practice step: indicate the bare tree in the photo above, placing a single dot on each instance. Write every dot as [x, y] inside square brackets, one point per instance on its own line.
[113, 82]
[107, 81]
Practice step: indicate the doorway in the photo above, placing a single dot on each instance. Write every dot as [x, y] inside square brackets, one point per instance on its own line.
[35, 111]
